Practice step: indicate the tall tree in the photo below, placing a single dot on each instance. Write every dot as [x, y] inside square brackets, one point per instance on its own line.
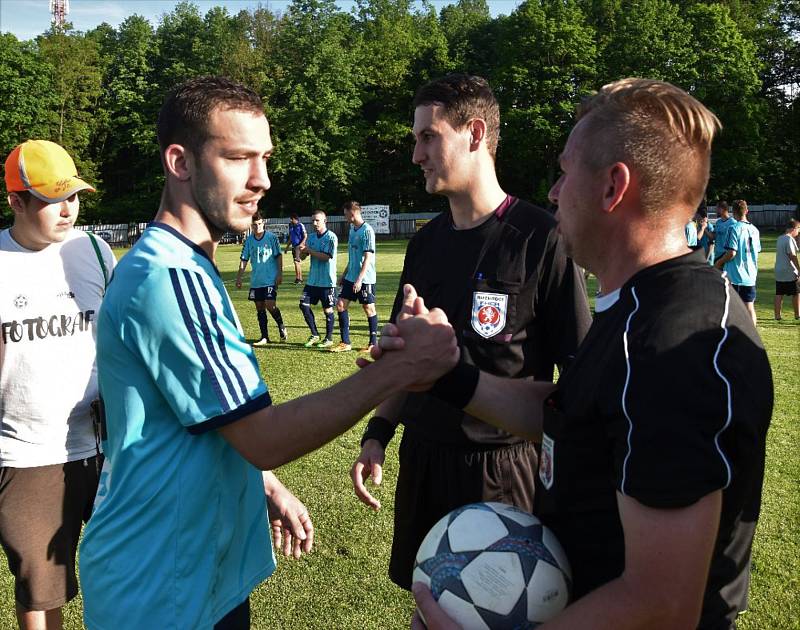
[76, 74]
[131, 166]
[538, 80]
[316, 105]
[726, 81]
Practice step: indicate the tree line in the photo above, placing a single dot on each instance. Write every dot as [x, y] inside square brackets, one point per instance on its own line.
[339, 85]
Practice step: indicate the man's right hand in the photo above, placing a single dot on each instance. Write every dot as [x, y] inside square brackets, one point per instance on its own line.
[369, 464]
[238, 282]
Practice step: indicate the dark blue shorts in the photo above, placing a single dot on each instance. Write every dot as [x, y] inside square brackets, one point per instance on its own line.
[261, 294]
[748, 294]
[312, 295]
[365, 296]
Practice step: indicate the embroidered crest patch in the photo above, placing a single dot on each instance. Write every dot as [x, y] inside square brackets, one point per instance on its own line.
[488, 313]
[546, 461]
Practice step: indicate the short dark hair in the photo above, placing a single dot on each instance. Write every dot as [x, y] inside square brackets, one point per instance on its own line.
[319, 211]
[186, 112]
[350, 206]
[257, 217]
[294, 216]
[722, 204]
[792, 224]
[464, 97]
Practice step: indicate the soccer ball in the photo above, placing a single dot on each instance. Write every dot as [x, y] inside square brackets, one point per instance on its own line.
[491, 565]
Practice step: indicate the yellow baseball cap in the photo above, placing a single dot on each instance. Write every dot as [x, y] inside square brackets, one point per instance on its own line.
[44, 169]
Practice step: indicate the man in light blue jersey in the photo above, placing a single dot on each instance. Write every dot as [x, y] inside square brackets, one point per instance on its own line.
[723, 224]
[740, 260]
[179, 534]
[320, 286]
[690, 229]
[264, 251]
[705, 234]
[358, 279]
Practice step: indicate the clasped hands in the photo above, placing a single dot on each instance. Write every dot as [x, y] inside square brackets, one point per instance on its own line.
[422, 338]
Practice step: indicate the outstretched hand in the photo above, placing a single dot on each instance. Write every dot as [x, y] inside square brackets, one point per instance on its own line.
[390, 334]
[292, 529]
[423, 338]
[369, 464]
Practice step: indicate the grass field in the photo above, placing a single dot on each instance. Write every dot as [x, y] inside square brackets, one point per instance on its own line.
[343, 583]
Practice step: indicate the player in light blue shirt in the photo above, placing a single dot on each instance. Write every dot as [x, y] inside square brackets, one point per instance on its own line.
[179, 535]
[358, 279]
[724, 223]
[263, 250]
[173, 366]
[740, 261]
[321, 282]
[690, 229]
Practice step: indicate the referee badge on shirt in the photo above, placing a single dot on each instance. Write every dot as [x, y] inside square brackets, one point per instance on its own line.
[489, 313]
[546, 462]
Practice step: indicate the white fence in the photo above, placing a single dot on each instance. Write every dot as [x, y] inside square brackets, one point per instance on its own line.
[768, 216]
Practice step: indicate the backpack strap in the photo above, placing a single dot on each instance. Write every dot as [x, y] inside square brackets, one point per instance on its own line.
[99, 255]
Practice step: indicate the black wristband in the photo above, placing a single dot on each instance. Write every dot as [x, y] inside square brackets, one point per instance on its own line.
[381, 429]
[457, 387]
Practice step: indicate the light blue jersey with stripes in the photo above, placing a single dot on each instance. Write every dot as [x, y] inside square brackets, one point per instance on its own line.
[264, 254]
[322, 273]
[721, 228]
[179, 534]
[742, 269]
[360, 241]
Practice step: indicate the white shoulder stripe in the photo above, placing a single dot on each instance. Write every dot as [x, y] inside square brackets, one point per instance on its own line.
[728, 405]
[625, 388]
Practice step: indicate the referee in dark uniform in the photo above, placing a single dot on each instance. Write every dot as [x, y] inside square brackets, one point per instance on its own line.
[654, 497]
[497, 267]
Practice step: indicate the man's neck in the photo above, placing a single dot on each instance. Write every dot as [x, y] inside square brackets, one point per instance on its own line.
[635, 251]
[190, 223]
[22, 239]
[473, 206]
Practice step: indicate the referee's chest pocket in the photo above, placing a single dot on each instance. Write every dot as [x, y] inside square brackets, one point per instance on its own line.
[493, 311]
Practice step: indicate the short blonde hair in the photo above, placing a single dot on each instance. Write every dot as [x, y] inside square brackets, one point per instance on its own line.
[658, 130]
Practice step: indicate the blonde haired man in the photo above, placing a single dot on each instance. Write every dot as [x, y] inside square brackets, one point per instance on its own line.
[638, 486]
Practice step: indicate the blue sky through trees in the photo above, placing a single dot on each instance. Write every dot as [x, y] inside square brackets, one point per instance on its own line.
[28, 18]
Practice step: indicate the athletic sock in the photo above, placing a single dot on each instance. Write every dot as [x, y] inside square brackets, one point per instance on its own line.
[329, 325]
[276, 315]
[262, 324]
[308, 315]
[344, 326]
[373, 329]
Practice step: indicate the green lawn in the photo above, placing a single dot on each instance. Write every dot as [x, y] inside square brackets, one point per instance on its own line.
[343, 583]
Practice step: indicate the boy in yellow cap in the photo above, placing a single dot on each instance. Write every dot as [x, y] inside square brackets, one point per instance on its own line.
[52, 282]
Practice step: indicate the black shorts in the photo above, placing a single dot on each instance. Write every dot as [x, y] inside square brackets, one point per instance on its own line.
[42, 510]
[437, 478]
[365, 296]
[786, 288]
[262, 294]
[747, 293]
[296, 253]
[312, 295]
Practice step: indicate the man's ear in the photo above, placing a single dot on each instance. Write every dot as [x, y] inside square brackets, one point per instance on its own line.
[16, 203]
[477, 132]
[178, 161]
[616, 185]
